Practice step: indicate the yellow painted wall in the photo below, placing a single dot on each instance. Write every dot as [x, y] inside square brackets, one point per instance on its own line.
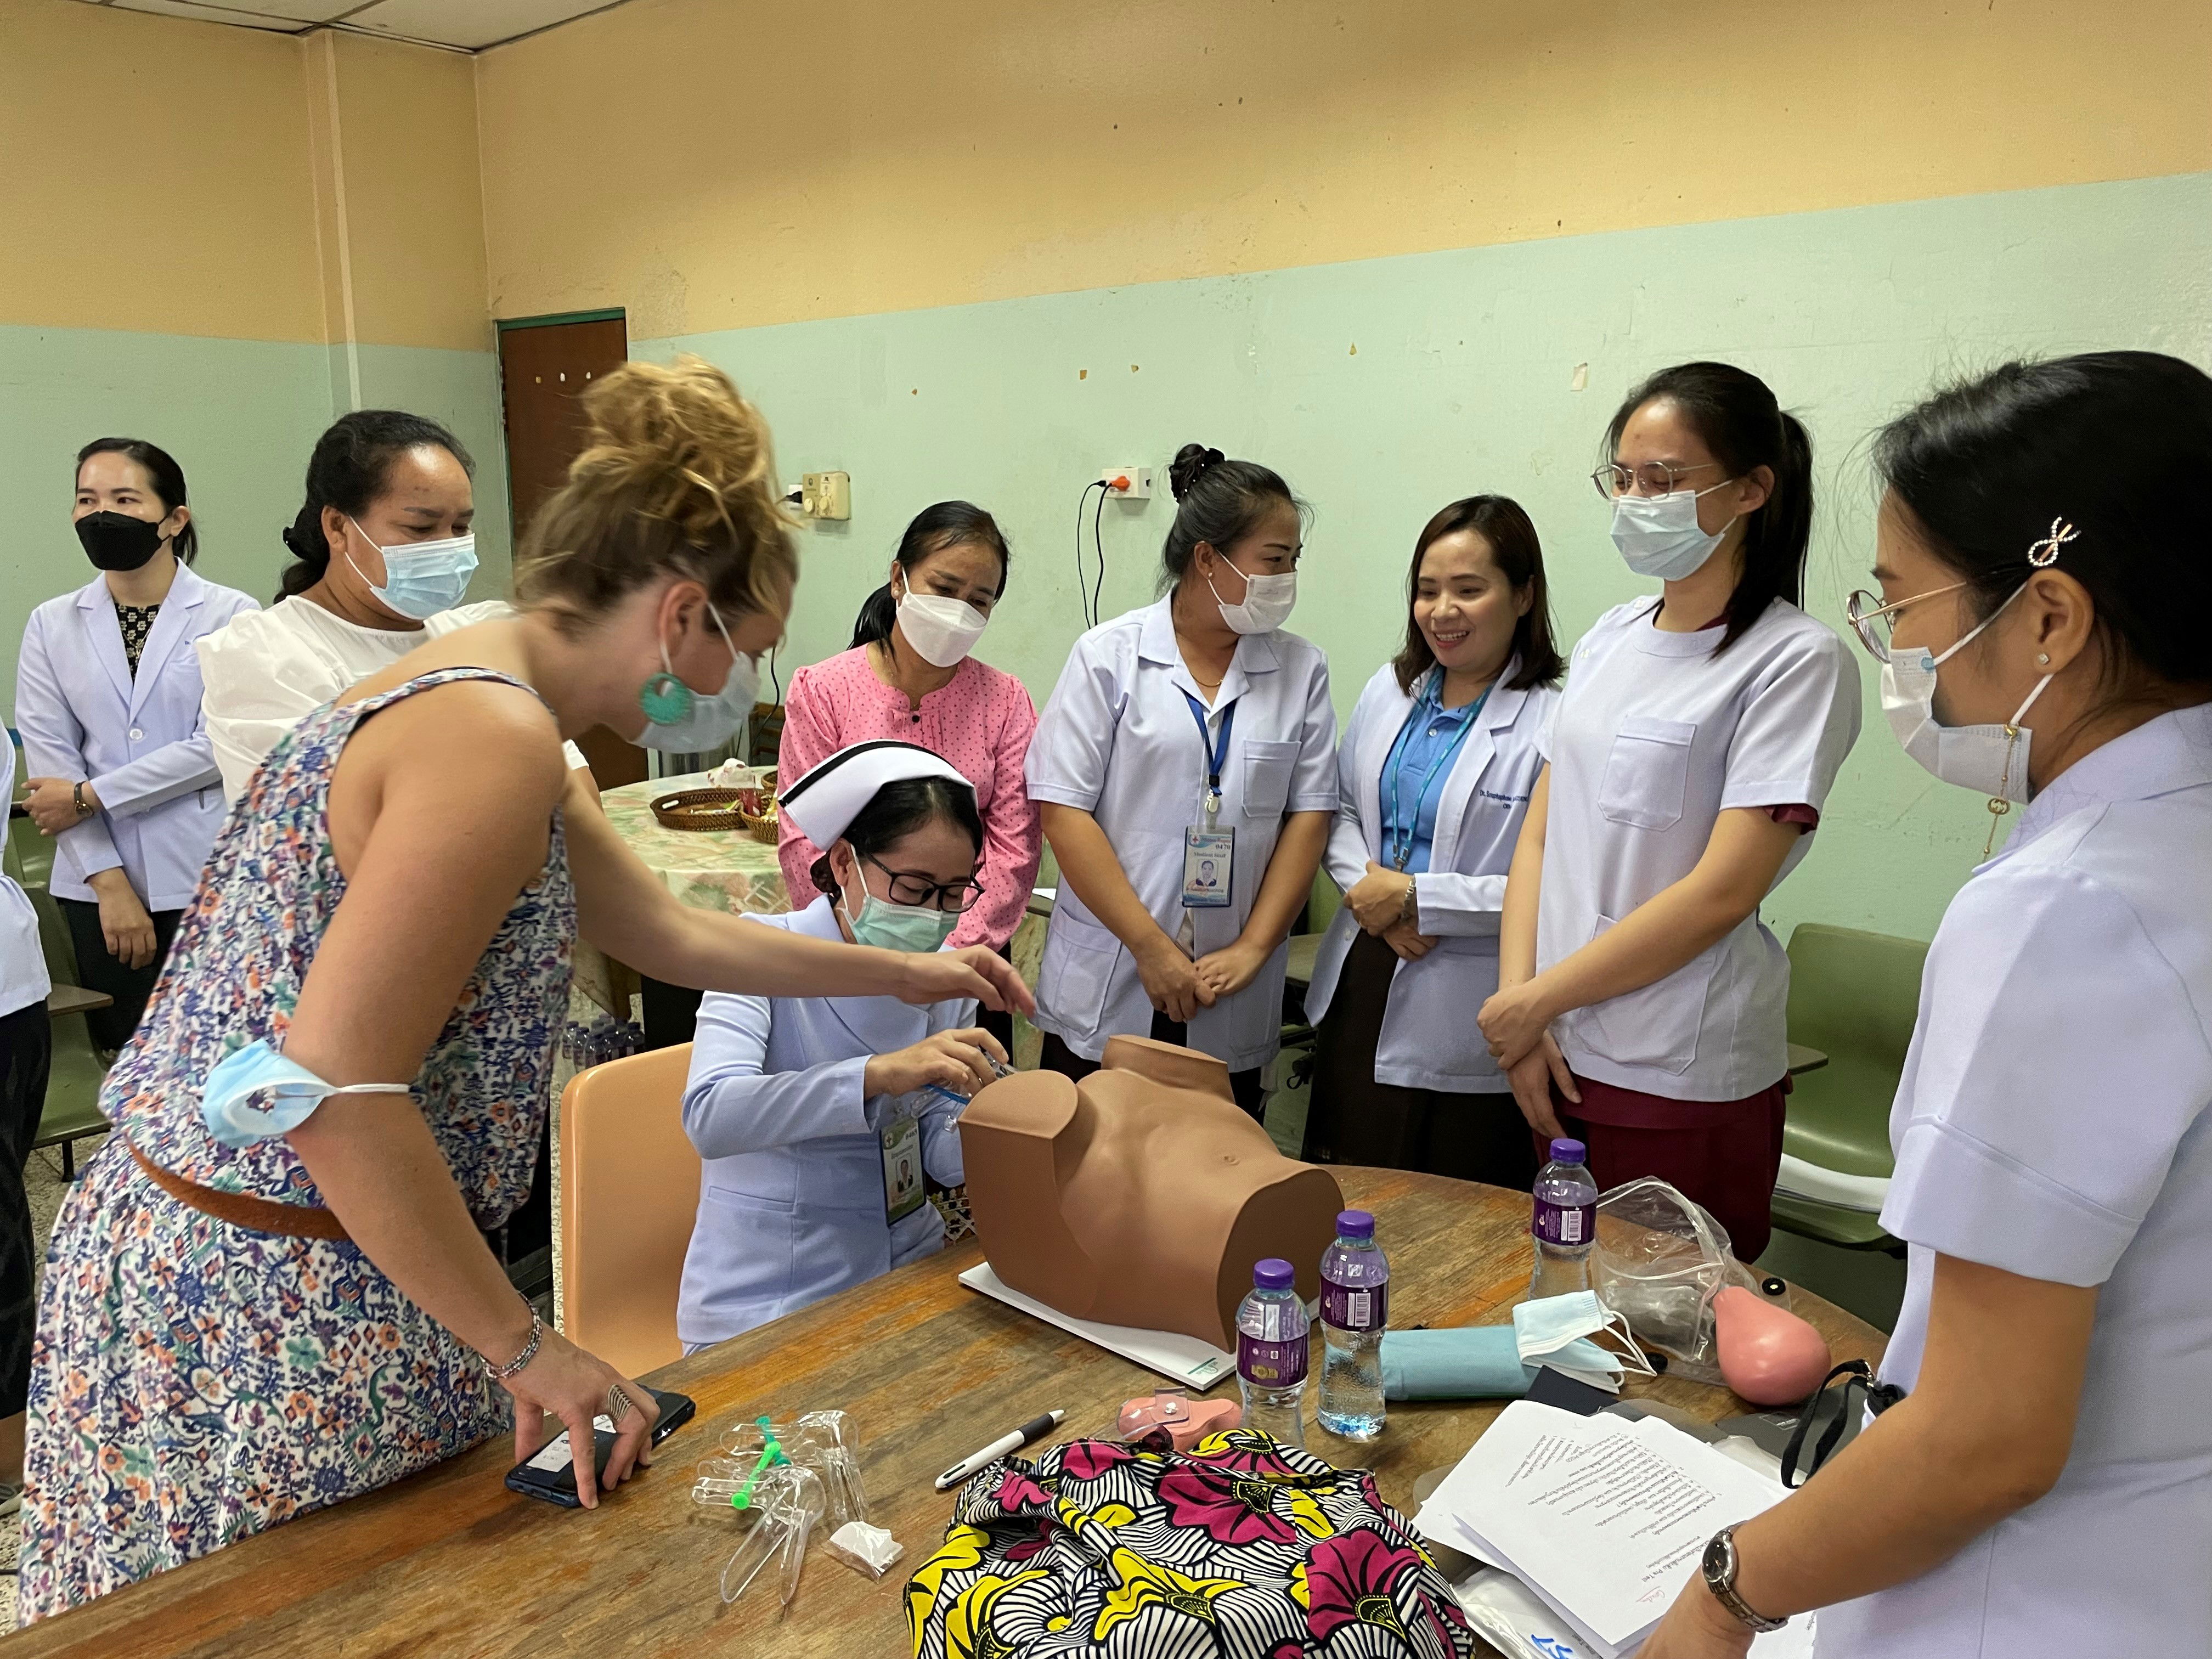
[172, 177]
[154, 175]
[689, 160]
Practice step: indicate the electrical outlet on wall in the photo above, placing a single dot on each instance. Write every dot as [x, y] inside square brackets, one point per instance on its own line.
[1128, 483]
[826, 494]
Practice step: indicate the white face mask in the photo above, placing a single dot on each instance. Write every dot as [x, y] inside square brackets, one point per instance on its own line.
[1269, 601]
[1547, 1328]
[1990, 759]
[1659, 535]
[941, 630]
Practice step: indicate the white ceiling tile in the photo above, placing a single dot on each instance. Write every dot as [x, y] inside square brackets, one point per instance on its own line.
[300, 11]
[470, 23]
[211, 14]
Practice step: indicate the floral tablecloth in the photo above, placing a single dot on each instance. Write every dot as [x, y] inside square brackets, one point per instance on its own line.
[708, 869]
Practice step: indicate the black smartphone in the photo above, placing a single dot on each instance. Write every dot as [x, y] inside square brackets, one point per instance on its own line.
[551, 1476]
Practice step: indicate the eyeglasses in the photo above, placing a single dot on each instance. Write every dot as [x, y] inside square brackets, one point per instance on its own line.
[1873, 622]
[911, 888]
[1652, 478]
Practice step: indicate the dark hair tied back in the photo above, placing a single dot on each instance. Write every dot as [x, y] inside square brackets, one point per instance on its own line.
[1219, 501]
[934, 529]
[2115, 444]
[896, 811]
[167, 478]
[351, 463]
[1736, 416]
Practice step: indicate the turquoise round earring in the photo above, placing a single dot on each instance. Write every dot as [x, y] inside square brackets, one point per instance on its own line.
[666, 699]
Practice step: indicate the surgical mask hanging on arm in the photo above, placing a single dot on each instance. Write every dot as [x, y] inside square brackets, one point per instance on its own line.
[1268, 602]
[1659, 535]
[421, 578]
[288, 1092]
[679, 721]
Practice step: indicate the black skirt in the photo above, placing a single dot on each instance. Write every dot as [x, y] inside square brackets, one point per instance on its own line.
[1353, 1119]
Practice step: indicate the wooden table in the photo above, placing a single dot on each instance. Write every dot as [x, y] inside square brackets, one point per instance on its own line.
[451, 1565]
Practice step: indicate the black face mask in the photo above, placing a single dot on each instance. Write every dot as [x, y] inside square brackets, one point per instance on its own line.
[116, 541]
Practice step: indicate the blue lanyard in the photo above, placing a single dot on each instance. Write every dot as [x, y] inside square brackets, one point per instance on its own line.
[1401, 849]
[1217, 754]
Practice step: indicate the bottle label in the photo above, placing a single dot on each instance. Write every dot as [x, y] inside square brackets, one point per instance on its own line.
[1364, 1309]
[1564, 1223]
[1272, 1364]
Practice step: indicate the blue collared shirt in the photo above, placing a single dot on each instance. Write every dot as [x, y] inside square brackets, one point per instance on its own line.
[1413, 772]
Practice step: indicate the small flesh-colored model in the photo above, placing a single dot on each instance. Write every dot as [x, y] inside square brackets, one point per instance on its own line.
[1141, 1196]
[1768, 1355]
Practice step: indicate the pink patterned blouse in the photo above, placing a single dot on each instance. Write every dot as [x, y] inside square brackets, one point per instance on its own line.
[982, 721]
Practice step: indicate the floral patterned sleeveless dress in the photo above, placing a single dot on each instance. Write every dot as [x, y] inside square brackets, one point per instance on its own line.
[192, 1382]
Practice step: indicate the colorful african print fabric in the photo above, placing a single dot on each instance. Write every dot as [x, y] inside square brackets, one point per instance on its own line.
[1244, 1548]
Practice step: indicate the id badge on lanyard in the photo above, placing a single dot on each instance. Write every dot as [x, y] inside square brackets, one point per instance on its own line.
[1209, 851]
[901, 1146]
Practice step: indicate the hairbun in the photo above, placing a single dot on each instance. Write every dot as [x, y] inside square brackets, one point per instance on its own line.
[1192, 462]
[686, 444]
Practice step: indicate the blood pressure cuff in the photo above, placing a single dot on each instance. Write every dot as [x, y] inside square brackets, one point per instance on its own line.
[1242, 1547]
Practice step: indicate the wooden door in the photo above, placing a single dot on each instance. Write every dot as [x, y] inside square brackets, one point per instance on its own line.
[543, 366]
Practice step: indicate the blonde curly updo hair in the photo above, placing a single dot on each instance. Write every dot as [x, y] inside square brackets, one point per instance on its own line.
[678, 478]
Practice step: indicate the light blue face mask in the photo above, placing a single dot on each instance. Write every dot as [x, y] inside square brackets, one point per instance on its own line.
[421, 578]
[1553, 1327]
[254, 1092]
[900, 926]
[679, 721]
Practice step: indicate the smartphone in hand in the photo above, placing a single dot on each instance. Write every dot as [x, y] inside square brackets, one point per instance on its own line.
[551, 1474]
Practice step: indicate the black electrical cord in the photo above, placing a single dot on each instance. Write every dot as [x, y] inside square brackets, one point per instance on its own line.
[1098, 586]
[1082, 593]
[772, 679]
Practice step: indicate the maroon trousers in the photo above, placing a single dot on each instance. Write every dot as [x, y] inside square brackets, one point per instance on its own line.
[1725, 1155]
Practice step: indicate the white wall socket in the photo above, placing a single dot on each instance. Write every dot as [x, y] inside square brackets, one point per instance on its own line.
[826, 494]
[1140, 486]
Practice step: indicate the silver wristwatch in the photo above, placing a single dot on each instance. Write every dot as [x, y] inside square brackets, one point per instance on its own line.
[1720, 1579]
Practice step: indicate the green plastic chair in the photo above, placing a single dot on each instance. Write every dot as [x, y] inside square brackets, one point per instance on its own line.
[1853, 995]
[74, 1078]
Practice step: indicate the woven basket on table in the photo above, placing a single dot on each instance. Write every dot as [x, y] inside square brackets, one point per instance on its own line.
[714, 809]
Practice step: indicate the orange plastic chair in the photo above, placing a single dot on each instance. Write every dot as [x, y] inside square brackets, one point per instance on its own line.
[629, 1189]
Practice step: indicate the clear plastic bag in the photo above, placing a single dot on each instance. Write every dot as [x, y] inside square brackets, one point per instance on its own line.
[1659, 1261]
[792, 1477]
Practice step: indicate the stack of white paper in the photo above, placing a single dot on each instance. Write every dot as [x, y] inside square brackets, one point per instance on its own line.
[1605, 1518]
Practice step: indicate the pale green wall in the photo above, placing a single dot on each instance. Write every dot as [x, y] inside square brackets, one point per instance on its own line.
[240, 416]
[1461, 382]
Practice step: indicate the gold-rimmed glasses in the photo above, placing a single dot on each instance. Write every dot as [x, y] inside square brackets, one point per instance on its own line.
[1873, 622]
[1652, 478]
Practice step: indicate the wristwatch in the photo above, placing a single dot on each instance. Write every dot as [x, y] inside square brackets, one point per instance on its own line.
[77, 798]
[1720, 1579]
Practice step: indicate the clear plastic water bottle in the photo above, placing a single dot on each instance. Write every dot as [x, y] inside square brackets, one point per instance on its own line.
[1272, 1353]
[1355, 1307]
[1565, 1223]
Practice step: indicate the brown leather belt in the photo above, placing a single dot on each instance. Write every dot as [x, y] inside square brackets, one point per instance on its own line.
[262, 1215]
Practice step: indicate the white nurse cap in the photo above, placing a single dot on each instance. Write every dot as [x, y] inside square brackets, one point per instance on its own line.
[828, 798]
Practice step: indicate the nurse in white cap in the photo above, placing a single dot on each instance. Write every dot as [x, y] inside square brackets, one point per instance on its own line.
[816, 1116]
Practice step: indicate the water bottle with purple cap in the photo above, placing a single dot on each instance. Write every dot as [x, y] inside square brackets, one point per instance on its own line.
[1565, 1223]
[1355, 1309]
[1272, 1353]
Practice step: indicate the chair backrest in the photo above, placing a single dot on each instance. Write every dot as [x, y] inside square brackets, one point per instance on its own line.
[1854, 993]
[1323, 903]
[629, 1191]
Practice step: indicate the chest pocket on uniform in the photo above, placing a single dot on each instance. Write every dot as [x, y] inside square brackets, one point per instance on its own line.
[1268, 767]
[1647, 773]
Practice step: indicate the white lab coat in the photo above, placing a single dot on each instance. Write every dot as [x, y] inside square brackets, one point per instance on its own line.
[273, 669]
[2054, 1119]
[24, 978]
[791, 1194]
[1117, 740]
[140, 741]
[1428, 1038]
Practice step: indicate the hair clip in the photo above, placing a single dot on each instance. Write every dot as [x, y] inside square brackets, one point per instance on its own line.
[2044, 554]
